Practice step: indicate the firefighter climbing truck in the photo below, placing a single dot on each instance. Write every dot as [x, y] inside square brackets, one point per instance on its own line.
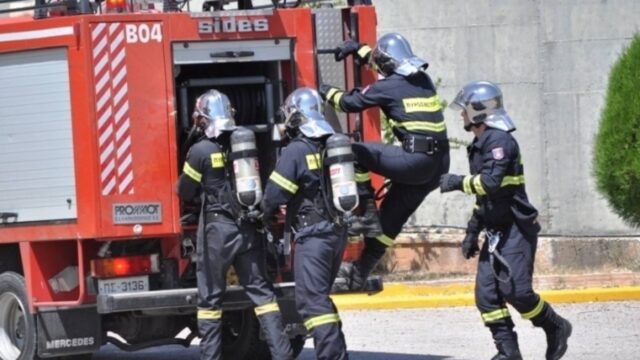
[94, 126]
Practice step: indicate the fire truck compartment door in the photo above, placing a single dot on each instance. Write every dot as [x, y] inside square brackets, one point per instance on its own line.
[231, 51]
[37, 180]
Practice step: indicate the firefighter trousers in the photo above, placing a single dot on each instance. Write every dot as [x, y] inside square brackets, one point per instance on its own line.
[317, 255]
[413, 176]
[222, 244]
[492, 295]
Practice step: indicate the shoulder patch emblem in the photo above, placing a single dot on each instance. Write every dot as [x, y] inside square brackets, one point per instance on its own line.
[498, 153]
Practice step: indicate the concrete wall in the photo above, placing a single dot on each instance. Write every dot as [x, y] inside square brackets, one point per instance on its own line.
[552, 59]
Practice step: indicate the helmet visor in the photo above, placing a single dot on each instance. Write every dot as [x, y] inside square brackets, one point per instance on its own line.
[459, 102]
[217, 126]
[411, 65]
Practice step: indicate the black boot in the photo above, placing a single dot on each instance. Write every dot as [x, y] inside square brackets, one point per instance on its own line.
[506, 340]
[557, 329]
[277, 340]
[507, 350]
[356, 273]
[368, 222]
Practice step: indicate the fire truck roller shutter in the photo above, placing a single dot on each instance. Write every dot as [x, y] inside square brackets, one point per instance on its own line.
[36, 145]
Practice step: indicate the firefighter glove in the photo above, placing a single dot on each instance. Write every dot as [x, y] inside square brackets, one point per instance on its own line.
[325, 90]
[470, 245]
[345, 49]
[450, 182]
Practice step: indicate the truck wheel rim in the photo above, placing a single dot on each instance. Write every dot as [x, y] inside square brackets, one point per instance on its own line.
[12, 327]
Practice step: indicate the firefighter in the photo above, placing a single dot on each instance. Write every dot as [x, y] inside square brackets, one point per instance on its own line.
[409, 101]
[225, 239]
[319, 241]
[503, 210]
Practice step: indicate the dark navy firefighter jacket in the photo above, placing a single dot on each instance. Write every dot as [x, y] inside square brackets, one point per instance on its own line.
[497, 180]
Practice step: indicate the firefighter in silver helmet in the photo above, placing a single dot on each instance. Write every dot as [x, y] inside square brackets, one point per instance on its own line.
[298, 181]
[407, 97]
[225, 237]
[503, 211]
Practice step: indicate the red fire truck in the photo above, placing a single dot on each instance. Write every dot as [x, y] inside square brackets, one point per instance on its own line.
[95, 104]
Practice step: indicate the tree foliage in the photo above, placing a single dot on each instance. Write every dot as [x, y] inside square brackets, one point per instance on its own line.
[617, 148]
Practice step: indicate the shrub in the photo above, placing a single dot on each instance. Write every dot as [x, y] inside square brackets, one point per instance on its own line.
[617, 146]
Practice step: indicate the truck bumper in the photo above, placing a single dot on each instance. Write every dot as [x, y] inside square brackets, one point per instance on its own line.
[187, 299]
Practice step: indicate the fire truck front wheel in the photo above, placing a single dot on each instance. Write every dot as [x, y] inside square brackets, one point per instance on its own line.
[17, 326]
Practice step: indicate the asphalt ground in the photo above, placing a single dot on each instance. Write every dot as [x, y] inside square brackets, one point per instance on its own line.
[602, 330]
[417, 321]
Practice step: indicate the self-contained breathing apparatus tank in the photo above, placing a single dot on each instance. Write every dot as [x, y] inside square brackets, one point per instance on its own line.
[340, 160]
[246, 168]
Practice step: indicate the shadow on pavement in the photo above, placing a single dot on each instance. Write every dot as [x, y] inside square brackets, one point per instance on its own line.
[110, 352]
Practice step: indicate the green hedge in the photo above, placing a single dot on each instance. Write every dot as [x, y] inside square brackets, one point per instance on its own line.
[617, 153]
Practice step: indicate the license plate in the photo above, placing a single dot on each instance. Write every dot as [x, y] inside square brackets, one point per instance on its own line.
[123, 285]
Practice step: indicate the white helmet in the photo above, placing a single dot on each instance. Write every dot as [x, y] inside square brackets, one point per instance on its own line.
[393, 54]
[482, 101]
[214, 114]
[303, 110]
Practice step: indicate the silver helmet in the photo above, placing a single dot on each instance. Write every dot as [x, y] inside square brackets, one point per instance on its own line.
[214, 114]
[482, 101]
[303, 109]
[393, 54]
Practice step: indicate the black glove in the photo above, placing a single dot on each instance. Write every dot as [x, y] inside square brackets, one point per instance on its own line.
[470, 245]
[450, 182]
[324, 90]
[345, 49]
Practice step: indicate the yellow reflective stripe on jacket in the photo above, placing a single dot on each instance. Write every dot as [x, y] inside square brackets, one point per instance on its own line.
[512, 180]
[422, 104]
[336, 101]
[267, 308]
[364, 51]
[333, 97]
[362, 177]
[466, 184]
[209, 314]
[191, 172]
[313, 161]
[535, 312]
[386, 240]
[283, 182]
[477, 185]
[321, 320]
[420, 125]
[217, 160]
[495, 315]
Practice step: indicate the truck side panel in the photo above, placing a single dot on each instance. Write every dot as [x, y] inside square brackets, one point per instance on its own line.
[132, 105]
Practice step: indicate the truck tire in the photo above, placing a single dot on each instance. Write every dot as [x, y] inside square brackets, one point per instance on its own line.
[17, 325]
[241, 336]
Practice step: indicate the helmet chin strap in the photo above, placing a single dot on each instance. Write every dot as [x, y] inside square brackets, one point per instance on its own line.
[470, 126]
